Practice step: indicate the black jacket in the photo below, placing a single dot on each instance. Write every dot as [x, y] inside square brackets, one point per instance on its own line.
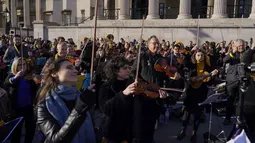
[87, 53]
[249, 100]
[12, 88]
[233, 59]
[147, 70]
[53, 132]
[117, 109]
[128, 117]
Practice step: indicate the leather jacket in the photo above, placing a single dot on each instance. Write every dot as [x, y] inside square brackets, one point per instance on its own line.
[53, 132]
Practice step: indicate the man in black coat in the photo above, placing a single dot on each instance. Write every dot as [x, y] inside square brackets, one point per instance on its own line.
[147, 110]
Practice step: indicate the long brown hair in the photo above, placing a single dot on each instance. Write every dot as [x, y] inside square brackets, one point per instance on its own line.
[50, 80]
[206, 58]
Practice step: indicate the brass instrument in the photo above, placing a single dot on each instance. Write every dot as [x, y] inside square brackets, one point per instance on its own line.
[109, 38]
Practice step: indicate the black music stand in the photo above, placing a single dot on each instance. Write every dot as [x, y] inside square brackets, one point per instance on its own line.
[215, 98]
[7, 129]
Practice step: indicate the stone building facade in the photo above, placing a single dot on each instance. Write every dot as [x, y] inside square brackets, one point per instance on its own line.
[168, 19]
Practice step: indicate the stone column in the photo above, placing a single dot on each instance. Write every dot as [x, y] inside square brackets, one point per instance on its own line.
[100, 9]
[153, 11]
[26, 11]
[124, 9]
[38, 10]
[252, 15]
[210, 8]
[13, 13]
[220, 9]
[39, 28]
[185, 9]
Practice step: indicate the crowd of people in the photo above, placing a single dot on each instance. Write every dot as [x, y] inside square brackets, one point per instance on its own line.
[50, 84]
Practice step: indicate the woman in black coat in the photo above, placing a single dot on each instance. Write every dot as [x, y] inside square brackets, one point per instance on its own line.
[115, 102]
[22, 90]
[62, 110]
[195, 92]
[128, 118]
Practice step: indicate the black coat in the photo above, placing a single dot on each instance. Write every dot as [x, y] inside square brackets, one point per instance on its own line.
[118, 111]
[87, 53]
[128, 117]
[12, 88]
[147, 70]
[53, 132]
[198, 95]
[232, 74]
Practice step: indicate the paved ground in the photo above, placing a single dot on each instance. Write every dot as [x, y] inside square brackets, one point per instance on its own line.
[167, 133]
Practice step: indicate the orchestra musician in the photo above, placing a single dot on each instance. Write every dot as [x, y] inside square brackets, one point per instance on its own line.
[177, 59]
[147, 111]
[123, 124]
[233, 59]
[196, 92]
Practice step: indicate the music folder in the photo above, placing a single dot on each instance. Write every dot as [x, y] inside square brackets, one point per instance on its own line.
[7, 129]
[215, 98]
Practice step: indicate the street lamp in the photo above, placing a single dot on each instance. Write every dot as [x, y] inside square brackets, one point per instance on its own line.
[6, 14]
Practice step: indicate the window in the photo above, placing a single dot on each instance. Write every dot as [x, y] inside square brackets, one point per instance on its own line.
[161, 10]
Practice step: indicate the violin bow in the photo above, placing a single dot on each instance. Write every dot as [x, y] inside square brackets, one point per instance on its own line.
[94, 43]
[240, 32]
[171, 61]
[198, 28]
[139, 52]
[22, 56]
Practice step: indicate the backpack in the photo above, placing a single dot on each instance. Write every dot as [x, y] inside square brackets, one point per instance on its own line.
[7, 112]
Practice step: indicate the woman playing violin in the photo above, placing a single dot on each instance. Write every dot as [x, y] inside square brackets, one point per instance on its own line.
[196, 94]
[123, 123]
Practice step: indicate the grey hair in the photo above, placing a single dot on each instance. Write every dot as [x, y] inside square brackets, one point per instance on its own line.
[238, 41]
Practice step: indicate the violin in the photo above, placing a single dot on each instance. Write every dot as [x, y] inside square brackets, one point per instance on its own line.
[162, 66]
[180, 59]
[184, 51]
[196, 82]
[149, 89]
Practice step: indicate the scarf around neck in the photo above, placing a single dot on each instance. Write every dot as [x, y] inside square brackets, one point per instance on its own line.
[58, 109]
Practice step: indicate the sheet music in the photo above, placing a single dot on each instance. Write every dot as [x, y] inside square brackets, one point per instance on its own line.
[213, 99]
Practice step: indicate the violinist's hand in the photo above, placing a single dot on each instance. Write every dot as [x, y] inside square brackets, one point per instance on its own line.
[214, 72]
[130, 89]
[91, 86]
[162, 94]
[19, 74]
[177, 76]
[194, 48]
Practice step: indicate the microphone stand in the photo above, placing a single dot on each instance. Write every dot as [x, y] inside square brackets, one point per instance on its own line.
[186, 81]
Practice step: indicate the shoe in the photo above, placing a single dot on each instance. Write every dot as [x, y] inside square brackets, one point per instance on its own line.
[181, 135]
[193, 138]
[227, 121]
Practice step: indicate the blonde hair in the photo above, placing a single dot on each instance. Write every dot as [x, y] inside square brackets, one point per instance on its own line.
[14, 68]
